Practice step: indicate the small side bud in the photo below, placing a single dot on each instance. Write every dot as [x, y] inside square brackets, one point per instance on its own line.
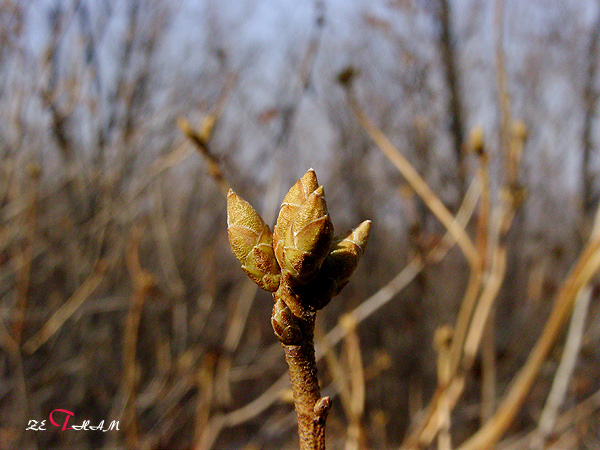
[285, 324]
[292, 201]
[307, 240]
[338, 266]
[252, 243]
[347, 250]
[476, 141]
[519, 130]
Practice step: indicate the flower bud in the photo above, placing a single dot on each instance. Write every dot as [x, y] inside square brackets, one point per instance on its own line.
[307, 240]
[338, 266]
[285, 324]
[292, 201]
[252, 242]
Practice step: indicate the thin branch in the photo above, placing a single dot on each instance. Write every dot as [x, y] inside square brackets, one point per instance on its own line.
[69, 308]
[142, 282]
[456, 122]
[590, 98]
[566, 367]
[567, 421]
[586, 267]
[419, 185]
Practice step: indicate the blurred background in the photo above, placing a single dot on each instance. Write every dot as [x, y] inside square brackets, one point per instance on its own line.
[122, 124]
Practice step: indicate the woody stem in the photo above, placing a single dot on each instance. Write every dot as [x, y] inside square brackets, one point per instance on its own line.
[311, 409]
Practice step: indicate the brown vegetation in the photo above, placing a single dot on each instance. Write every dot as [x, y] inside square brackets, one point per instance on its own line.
[471, 322]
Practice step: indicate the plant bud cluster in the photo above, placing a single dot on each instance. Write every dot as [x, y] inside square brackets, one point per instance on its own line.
[301, 262]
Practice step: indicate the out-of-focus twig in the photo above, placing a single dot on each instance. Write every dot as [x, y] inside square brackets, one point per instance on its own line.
[25, 255]
[590, 99]
[410, 271]
[419, 185]
[18, 415]
[476, 275]
[165, 247]
[442, 341]
[484, 285]
[205, 381]
[510, 159]
[575, 415]
[67, 309]
[566, 367]
[455, 104]
[201, 137]
[200, 140]
[488, 369]
[585, 268]
[488, 273]
[142, 282]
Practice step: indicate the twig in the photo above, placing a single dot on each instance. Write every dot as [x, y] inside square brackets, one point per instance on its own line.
[484, 285]
[311, 408]
[448, 393]
[410, 271]
[455, 106]
[590, 99]
[164, 246]
[510, 162]
[349, 380]
[143, 282]
[442, 341]
[566, 367]
[484, 305]
[488, 370]
[201, 138]
[586, 267]
[566, 421]
[25, 256]
[67, 309]
[419, 185]
[205, 382]
[476, 274]
[19, 413]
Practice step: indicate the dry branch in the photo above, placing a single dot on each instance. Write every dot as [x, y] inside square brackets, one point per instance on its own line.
[67, 309]
[419, 185]
[584, 269]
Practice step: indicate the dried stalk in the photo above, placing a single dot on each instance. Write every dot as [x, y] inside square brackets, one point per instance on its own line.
[25, 256]
[489, 268]
[566, 367]
[205, 382]
[585, 268]
[67, 309]
[415, 180]
[143, 283]
[349, 380]
[567, 421]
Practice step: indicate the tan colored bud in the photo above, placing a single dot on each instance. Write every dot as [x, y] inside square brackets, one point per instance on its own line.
[307, 240]
[346, 251]
[252, 242]
[285, 324]
[338, 266]
[292, 201]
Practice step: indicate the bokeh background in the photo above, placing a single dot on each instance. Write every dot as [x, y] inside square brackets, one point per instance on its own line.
[121, 125]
